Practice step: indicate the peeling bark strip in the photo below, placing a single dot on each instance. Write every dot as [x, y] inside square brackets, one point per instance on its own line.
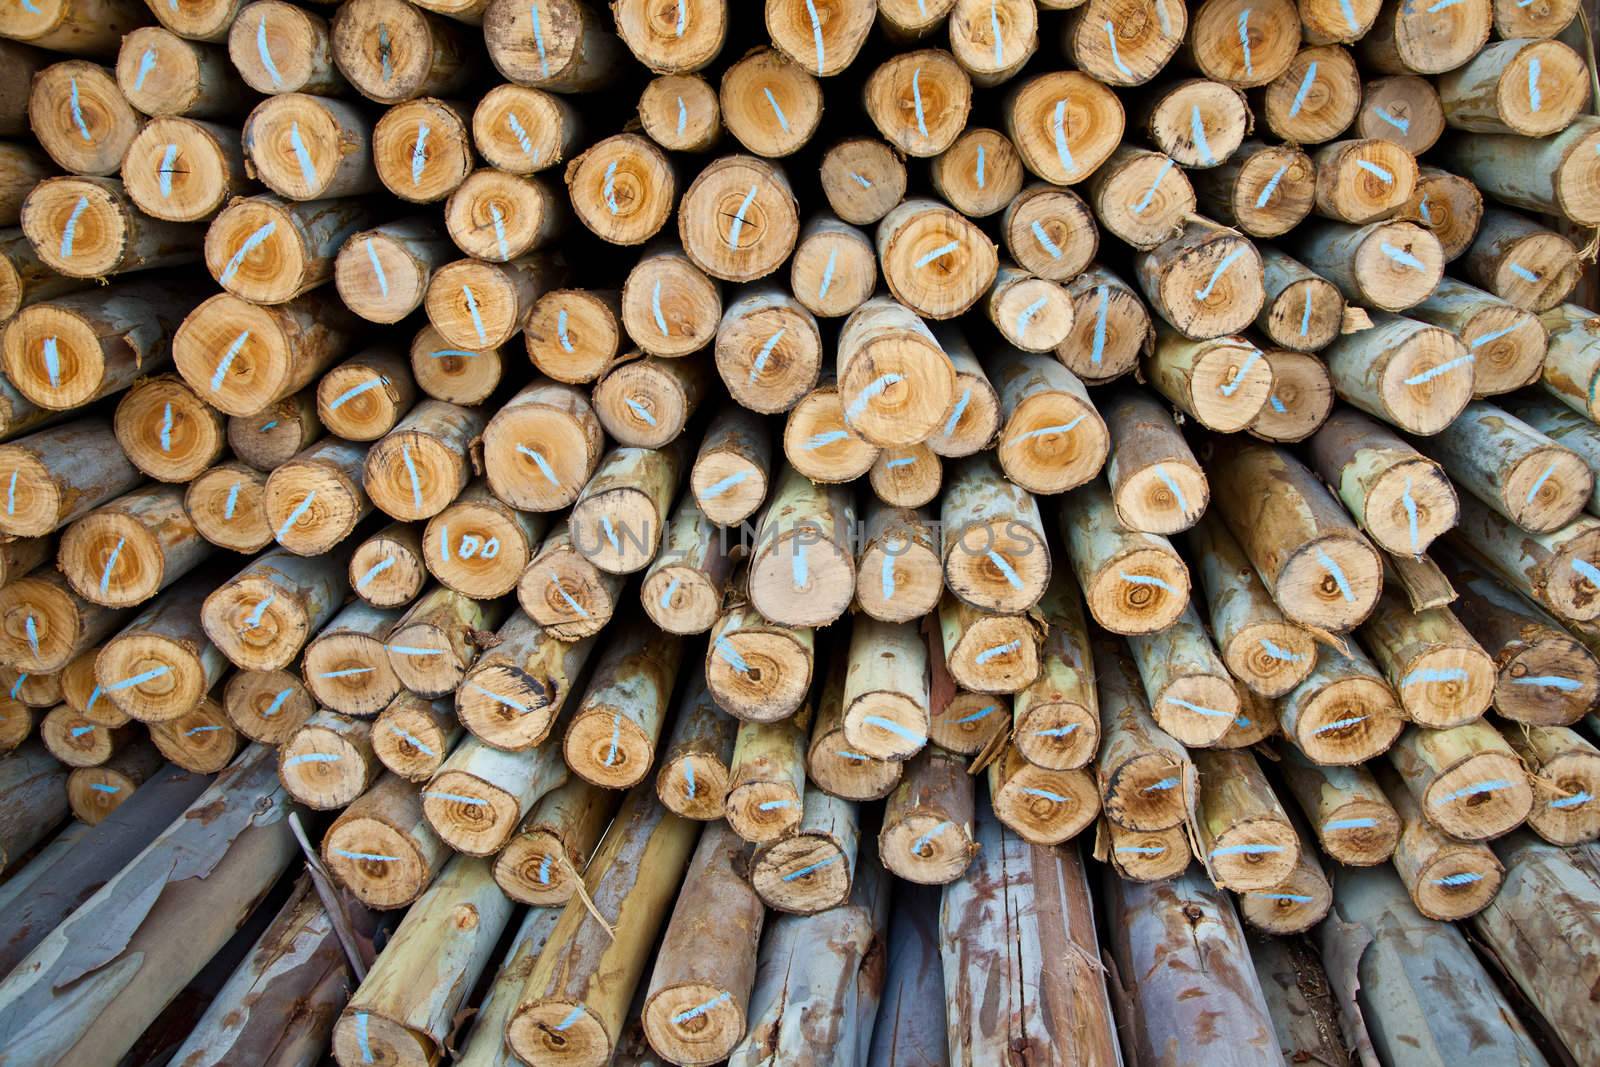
[107, 971]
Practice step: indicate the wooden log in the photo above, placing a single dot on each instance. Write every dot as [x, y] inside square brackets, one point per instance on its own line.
[1326, 23]
[262, 616]
[574, 335]
[346, 667]
[1539, 928]
[1442, 676]
[833, 271]
[794, 982]
[623, 189]
[89, 228]
[1388, 265]
[1417, 41]
[162, 665]
[486, 1043]
[566, 593]
[646, 403]
[913, 1005]
[298, 961]
[1261, 648]
[1156, 484]
[202, 877]
[1547, 174]
[886, 714]
[801, 570]
[382, 849]
[1197, 122]
[669, 306]
[1239, 49]
[1052, 148]
[479, 545]
[768, 350]
[731, 471]
[819, 444]
[124, 552]
[980, 174]
[386, 569]
[899, 548]
[1223, 383]
[77, 348]
[611, 740]
[35, 690]
[862, 178]
[543, 447]
[329, 761]
[1402, 108]
[33, 799]
[1318, 567]
[422, 151]
[988, 653]
[1050, 232]
[44, 624]
[1565, 772]
[680, 112]
[697, 758]
[669, 44]
[911, 392]
[1543, 20]
[1244, 837]
[1466, 780]
[1353, 821]
[580, 968]
[1111, 327]
[1293, 906]
[365, 396]
[1056, 717]
[478, 305]
[267, 706]
[512, 695]
[1389, 954]
[1534, 88]
[1384, 482]
[271, 437]
[94, 28]
[1042, 404]
[25, 279]
[1316, 98]
[696, 1000]
[572, 52]
[1506, 342]
[162, 73]
[77, 686]
[1205, 282]
[1561, 424]
[1446, 878]
[767, 780]
[383, 273]
[833, 764]
[1522, 262]
[909, 479]
[78, 743]
[1263, 190]
[1344, 712]
[997, 1000]
[279, 47]
[1123, 44]
[420, 466]
[405, 1008]
[1303, 311]
[315, 500]
[1528, 478]
[1192, 696]
[542, 863]
[684, 588]
[392, 52]
[498, 216]
[21, 168]
[464, 376]
[1134, 582]
[919, 122]
[622, 513]
[523, 131]
[1572, 361]
[437, 640]
[58, 475]
[810, 869]
[992, 44]
[170, 434]
[266, 353]
[334, 139]
[1145, 778]
[1544, 675]
[1142, 855]
[730, 232]
[1163, 935]
[1140, 198]
[995, 555]
[74, 96]
[1550, 569]
[928, 836]
[480, 794]
[412, 737]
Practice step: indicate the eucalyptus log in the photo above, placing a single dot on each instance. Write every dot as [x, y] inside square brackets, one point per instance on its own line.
[543, 863]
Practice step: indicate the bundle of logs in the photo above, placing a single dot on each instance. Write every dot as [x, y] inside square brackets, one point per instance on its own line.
[453, 605]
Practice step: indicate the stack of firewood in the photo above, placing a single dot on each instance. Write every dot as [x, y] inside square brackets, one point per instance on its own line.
[1171, 546]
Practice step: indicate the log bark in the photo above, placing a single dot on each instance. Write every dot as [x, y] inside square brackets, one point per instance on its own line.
[1553, 175]
[1522, 262]
[196, 882]
[913, 1006]
[1551, 569]
[1534, 88]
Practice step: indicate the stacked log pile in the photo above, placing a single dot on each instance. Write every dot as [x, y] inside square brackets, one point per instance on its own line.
[848, 531]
